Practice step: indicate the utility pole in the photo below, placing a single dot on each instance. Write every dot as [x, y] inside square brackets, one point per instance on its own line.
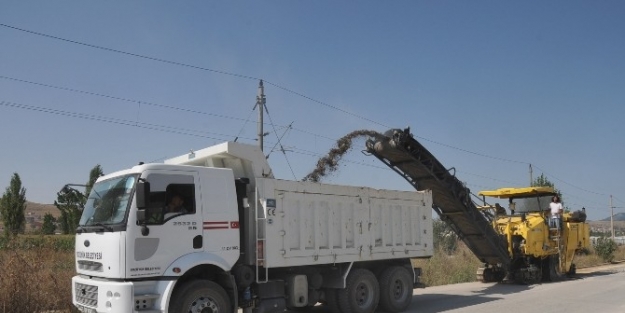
[260, 104]
[612, 217]
[531, 176]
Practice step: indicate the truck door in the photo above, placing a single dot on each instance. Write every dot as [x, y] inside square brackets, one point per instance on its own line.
[176, 232]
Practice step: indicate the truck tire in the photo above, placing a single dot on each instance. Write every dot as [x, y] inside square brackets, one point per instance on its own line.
[198, 295]
[361, 294]
[395, 289]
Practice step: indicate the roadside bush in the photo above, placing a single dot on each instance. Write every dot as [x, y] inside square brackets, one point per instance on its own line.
[605, 249]
[443, 268]
[445, 239]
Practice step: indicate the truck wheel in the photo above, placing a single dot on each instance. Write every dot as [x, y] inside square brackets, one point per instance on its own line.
[200, 296]
[395, 289]
[362, 293]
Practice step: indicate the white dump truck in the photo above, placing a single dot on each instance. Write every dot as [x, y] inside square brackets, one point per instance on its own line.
[213, 231]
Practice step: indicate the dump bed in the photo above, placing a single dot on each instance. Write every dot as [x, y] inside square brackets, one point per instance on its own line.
[305, 223]
[452, 200]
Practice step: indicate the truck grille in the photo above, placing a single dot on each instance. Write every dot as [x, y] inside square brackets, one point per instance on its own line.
[90, 266]
[87, 295]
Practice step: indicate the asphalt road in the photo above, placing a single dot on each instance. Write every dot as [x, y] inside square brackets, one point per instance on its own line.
[597, 290]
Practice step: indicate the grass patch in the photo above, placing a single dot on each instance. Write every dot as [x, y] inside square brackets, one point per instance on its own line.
[443, 269]
[35, 275]
[592, 259]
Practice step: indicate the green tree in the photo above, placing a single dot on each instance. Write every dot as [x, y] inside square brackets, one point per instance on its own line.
[12, 206]
[94, 174]
[48, 226]
[71, 202]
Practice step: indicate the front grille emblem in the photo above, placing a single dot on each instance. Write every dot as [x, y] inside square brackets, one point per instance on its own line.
[87, 243]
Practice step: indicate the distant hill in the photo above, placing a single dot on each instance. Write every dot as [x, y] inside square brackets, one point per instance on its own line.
[34, 214]
[39, 209]
[617, 217]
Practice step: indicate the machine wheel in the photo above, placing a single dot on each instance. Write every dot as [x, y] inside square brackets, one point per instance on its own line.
[362, 293]
[395, 289]
[332, 301]
[572, 271]
[485, 275]
[554, 268]
[200, 296]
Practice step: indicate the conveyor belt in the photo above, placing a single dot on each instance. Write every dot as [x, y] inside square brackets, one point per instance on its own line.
[451, 199]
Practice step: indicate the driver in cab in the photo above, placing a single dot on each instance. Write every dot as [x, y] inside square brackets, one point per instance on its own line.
[175, 206]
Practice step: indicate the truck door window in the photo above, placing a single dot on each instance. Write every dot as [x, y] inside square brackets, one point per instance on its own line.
[171, 195]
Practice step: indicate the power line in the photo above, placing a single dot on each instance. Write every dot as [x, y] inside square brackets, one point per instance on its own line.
[164, 128]
[189, 132]
[472, 152]
[567, 183]
[129, 53]
[153, 104]
[246, 77]
[190, 66]
[279, 140]
[326, 104]
[487, 177]
[121, 99]
[270, 83]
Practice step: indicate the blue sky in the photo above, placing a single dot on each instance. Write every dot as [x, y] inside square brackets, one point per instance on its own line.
[513, 82]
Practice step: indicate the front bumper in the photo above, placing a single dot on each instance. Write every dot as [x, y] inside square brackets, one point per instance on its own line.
[90, 295]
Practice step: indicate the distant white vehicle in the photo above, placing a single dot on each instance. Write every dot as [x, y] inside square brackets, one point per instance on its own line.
[243, 239]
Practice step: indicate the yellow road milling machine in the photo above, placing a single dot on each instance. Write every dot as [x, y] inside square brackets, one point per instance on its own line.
[538, 253]
[514, 245]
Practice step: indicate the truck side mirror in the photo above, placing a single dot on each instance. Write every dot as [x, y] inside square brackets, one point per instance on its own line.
[143, 194]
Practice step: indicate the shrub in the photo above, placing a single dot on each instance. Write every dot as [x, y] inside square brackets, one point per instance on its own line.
[605, 248]
[445, 239]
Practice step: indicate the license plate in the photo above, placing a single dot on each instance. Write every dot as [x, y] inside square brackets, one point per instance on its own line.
[85, 309]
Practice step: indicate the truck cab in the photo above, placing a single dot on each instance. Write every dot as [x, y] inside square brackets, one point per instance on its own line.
[131, 252]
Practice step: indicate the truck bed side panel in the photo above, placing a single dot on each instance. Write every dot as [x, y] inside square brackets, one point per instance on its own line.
[322, 224]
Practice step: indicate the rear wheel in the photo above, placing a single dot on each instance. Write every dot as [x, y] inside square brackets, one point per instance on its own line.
[201, 296]
[395, 289]
[361, 294]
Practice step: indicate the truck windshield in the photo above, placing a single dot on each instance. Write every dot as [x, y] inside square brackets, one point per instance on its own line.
[536, 204]
[108, 201]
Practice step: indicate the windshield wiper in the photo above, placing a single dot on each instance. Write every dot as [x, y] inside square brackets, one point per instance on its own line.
[106, 227]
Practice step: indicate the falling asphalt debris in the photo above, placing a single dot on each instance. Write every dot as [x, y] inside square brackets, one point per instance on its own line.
[330, 162]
